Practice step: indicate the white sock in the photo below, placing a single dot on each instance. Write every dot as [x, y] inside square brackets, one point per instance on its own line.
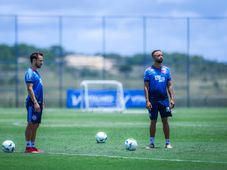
[151, 140]
[33, 144]
[28, 143]
[167, 141]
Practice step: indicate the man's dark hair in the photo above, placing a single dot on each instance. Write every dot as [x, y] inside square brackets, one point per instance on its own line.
[35, 55]
[152, 54]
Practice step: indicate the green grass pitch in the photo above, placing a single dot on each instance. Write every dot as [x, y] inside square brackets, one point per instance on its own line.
[198, 135]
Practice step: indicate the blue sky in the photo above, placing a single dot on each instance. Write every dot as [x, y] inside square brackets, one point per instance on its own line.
[208, 37]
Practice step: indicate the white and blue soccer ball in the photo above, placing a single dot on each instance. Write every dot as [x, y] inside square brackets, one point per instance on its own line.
[101, 137]
[8, 146]
[131, 144]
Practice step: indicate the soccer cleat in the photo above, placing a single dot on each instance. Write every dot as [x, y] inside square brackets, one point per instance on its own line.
[168, 146]
[30, 150]
[37, 150]
[151, 146]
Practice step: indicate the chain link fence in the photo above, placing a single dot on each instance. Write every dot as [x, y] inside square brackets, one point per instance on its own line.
[77, 48]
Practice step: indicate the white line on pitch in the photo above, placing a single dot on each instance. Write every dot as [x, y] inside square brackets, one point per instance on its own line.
[110, 124]
[138, 158]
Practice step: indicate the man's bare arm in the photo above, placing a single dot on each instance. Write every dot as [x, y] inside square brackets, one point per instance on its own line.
[146, 93]
[171, 93]
[32, 96]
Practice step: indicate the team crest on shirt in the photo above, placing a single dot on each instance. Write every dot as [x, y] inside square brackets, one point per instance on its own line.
[164, 70]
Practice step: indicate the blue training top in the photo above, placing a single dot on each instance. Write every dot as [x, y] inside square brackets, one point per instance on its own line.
[158, 80]
[33, 77]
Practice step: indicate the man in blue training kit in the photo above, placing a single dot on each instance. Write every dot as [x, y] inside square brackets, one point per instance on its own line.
[34, 101]
[157, 86]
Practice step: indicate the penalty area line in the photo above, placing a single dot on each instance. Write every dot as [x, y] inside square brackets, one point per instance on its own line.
[137, 158]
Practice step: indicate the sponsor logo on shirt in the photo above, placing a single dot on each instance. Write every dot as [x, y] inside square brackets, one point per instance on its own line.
[159, 78]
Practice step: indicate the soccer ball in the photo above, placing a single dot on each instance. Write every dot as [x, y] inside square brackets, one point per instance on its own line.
[8, 146]
[101, 137]
[131, 144]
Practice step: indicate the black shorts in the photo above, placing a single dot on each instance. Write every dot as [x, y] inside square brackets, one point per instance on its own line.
[32, 116]
[161, 107]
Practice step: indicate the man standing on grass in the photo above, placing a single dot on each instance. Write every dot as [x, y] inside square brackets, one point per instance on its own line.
[34, 101]
[157, 86]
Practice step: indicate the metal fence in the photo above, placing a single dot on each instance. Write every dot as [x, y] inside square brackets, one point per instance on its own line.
[124, 35]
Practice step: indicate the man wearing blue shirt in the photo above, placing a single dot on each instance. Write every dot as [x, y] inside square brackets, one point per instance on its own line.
[34, 101]
[157, 86]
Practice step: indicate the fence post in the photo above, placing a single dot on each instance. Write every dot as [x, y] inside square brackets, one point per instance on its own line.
[16, 62]
[60, 63]
[104, 46]
[188, 63]
[144, 38]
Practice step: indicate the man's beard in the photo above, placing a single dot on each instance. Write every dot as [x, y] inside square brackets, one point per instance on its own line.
[159, 61]
[38, 66]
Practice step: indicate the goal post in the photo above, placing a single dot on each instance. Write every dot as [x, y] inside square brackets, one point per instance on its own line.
[102, 95]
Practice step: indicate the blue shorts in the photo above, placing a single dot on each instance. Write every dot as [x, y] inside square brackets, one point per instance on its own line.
[160, 106]
[32, 116]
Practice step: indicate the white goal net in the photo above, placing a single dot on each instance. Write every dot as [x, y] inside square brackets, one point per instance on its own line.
[102, 95]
